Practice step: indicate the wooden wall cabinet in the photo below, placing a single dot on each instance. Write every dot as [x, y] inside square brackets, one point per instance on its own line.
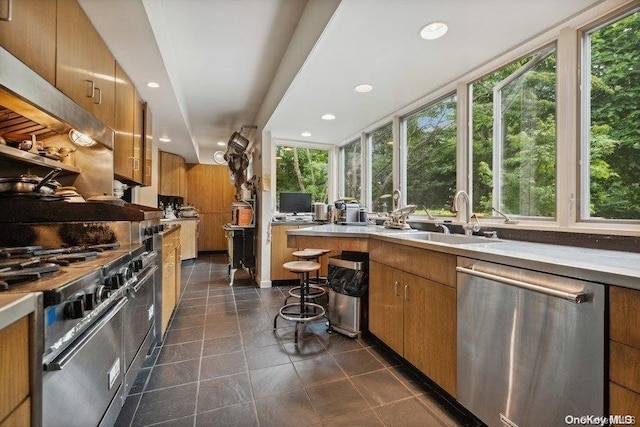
[209, 189]
[413, 314]
[128, 149]
[624, 352]
[85, 68]
[172, 175]
[30, 35]
[147, 135]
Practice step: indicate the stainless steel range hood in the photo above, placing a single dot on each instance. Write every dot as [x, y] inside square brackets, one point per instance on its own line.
[24, 92]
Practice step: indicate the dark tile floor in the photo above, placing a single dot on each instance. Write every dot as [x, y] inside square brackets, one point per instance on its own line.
[221, 364]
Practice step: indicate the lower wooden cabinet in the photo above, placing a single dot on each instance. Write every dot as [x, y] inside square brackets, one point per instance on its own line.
[416, 317]
[624, 352]
[170, 275]
[280, 253]
[188, 237]
[14, 373]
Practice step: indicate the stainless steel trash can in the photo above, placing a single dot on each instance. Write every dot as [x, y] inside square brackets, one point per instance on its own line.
[348, 286]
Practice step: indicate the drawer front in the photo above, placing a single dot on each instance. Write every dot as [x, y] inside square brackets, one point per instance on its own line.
[624, 366]
[624, 402]
[625, 315]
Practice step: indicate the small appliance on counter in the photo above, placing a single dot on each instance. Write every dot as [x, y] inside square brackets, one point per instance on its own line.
[348, 213]
[321, 212]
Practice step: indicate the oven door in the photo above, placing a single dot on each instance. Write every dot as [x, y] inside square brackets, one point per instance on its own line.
[138, 321]
[81, 386]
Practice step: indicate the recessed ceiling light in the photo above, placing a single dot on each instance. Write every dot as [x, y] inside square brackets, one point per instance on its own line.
[164, 139]
[305, 133]
[328, 117]
[433, 30]
[153, 84]
[363, 88]
[221, 143]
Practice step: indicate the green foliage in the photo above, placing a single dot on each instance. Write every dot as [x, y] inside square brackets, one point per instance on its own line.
[302, 170]
[615, 120]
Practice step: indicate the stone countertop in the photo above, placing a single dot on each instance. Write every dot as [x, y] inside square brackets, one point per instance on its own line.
[601, 266]
[14, 306]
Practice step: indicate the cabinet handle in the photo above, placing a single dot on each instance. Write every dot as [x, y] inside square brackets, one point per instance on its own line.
[136, 164]
[97, 100]
[9, 8]
[90, 92]
[406, 292]
[147, 171]
[395, 288]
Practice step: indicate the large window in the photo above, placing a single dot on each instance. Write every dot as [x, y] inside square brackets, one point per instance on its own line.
[431, 156]
[514, 138]
[611, 185]
[381, 143]
[351, 155]
[302, 170]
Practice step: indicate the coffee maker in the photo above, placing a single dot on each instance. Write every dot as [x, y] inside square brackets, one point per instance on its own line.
[348, 212]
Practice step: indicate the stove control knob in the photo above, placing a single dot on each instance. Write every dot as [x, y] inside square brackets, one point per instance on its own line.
[74, 309]
[102, 293]
[89, 302]
[148, 231]
[137, 265]
[121, 278]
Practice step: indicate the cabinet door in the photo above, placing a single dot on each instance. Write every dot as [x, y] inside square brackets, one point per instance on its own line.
[168, 279]
[123, 147]
[138, 142]
[386, 305]
[14, 366]
[211, 235]
[280, 253]
[147, 126]
[103, 68]
[74, 55]
[31, 35]
[209, 188]
[430, 329]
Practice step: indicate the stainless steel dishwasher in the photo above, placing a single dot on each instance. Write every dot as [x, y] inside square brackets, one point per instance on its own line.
[530, 345]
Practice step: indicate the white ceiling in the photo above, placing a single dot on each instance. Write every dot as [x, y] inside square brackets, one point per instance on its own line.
[216, 59]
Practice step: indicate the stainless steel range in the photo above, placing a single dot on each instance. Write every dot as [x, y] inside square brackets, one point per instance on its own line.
[97, 281]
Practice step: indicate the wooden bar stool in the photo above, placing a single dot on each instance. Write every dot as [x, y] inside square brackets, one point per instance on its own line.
[300, 312]
[313, 291]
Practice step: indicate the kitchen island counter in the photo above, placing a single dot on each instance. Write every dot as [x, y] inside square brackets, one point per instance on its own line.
[602, 266]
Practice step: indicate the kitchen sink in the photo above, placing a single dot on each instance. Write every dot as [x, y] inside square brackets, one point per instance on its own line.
[450, 239]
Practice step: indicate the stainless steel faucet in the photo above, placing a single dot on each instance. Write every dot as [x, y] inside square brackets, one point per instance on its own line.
[468, 227]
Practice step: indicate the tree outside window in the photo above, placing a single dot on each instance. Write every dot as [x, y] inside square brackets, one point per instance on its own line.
[381, 142]
[514, 138]
[611, 187]
[352, 167]
[431, 156]
[302, 170]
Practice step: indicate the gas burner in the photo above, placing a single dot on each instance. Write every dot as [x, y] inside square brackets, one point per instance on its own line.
[18, 273]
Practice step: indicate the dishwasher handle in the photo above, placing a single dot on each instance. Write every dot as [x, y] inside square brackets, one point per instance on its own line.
[576, 298]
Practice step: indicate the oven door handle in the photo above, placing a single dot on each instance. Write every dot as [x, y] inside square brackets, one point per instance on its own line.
[146, 277]
[61, 361]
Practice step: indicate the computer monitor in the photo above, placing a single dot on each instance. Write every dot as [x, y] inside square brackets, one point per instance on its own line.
[295, 203]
